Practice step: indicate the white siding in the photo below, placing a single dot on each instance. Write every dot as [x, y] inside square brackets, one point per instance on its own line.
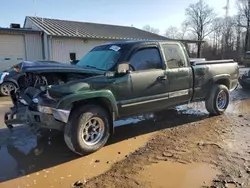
[33, 44]
[12, 50]
[61, 47]
[30, 24]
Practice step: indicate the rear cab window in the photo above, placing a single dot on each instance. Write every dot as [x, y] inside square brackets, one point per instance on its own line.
[174, 56]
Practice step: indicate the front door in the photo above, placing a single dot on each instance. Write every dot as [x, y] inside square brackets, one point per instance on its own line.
[148, 81]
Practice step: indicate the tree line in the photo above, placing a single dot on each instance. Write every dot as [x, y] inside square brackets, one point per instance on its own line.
[226, 37]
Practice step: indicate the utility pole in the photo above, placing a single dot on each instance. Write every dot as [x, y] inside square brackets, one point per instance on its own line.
[224, 38]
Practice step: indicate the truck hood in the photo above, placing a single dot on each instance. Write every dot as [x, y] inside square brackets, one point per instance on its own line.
[48, 66]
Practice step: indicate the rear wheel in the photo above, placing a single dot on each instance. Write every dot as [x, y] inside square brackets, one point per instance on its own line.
[218, 100]
[87, 130]
[6, 88]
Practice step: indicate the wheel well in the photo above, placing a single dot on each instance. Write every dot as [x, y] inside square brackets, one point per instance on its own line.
[100, 101]
[225, 82]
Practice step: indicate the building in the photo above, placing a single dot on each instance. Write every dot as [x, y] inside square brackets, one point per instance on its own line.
[18, 44]
[61, 40]
[64, 40]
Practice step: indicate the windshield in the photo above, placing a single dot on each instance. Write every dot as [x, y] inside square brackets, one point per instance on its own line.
[99, 59]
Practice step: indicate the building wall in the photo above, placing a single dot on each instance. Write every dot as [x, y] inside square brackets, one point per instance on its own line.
[12, 50]
[60, 48]
[17, 46]
[33, 47]
[30, 24]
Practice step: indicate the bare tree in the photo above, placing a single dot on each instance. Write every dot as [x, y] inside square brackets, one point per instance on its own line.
[199, 19]
[217, 28]
[184, 29]
[244, 13]
[151, 29]
[172, 32]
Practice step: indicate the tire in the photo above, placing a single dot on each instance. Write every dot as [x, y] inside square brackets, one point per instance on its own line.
[213, 106]
[78, 127]
[6, 87]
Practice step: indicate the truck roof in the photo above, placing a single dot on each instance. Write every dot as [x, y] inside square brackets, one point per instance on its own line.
[141, 42]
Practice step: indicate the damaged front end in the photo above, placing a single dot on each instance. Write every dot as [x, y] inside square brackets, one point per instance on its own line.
[35, 108]
[35, 103]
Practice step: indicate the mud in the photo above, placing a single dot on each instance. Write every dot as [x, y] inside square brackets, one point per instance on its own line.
[190, 137]
[28, 160]
[174, 148]
[168, 174]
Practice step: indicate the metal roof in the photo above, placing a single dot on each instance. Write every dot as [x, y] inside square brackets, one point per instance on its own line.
[65, 28]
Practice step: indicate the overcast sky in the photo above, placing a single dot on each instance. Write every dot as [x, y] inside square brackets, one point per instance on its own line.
[157, 13]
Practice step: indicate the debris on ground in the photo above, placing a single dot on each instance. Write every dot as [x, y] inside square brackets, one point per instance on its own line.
[78, 184]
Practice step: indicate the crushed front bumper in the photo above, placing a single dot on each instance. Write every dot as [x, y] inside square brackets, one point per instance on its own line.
[35, 119]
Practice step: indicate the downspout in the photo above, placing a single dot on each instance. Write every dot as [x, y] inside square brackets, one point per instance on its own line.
[43, 46]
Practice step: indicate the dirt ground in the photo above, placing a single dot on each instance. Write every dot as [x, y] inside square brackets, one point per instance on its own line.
[190, 150]
[182, 148]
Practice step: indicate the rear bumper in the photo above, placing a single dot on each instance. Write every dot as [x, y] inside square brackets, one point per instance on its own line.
[32, 118]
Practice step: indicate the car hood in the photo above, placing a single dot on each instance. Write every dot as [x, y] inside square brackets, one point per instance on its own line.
[47, 66]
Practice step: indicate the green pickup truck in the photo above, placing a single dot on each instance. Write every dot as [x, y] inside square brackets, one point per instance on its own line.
[114, 81]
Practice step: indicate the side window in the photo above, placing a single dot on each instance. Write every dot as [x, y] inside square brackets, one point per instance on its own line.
[146, 59]
[174, 56]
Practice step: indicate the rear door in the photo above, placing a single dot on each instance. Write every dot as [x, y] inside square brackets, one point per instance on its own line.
[178, 72]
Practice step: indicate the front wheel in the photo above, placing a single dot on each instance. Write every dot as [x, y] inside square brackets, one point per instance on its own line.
[218, 100]
[87, 129]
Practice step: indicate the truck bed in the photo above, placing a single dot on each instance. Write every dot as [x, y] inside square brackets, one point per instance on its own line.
[206, 73]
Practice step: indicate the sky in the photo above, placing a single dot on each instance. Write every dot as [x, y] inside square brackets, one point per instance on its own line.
[157, 13]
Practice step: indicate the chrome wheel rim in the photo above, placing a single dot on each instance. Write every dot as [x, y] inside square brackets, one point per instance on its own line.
[222, 100]
[93, 131]
[7, 88]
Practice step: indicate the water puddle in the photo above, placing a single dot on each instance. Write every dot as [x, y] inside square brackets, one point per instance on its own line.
[29, 162]
[177, 175]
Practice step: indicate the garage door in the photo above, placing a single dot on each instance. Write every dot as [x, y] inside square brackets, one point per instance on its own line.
[12, 50]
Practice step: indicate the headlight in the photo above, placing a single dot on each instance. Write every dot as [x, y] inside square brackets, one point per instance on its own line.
[44, 109]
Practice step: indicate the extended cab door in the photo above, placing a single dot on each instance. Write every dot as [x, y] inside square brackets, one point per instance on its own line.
[178, 73]
[148, 82]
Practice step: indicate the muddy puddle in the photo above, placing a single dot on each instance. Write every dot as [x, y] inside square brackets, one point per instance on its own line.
[176, 175]
[47, 162]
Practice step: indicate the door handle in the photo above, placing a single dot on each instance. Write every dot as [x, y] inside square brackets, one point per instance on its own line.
[162, 77]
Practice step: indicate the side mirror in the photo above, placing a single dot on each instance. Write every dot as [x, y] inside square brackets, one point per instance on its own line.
[123, 68]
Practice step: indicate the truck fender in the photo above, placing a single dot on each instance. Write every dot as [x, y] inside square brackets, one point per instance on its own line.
[79, 96]
[222, 79]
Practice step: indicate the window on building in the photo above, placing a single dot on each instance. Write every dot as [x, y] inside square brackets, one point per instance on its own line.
[146, 59]
[72, 56]
[174, 56]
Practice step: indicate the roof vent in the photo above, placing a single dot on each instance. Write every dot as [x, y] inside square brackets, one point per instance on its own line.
[14, 25]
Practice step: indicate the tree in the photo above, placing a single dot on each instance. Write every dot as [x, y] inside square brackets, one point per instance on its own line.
[172, 32]
[199, 19]
[244, 14]
[184, 29]
[150, 29]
